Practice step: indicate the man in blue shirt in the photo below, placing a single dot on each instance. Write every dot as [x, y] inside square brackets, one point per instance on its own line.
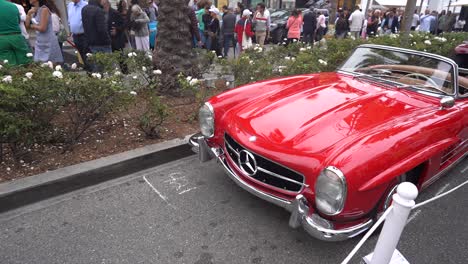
[76, 27]
[425, 21]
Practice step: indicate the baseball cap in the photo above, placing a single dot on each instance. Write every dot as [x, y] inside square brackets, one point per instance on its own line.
[246, 12]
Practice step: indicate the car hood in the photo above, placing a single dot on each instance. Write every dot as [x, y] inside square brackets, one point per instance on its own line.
[313, 115]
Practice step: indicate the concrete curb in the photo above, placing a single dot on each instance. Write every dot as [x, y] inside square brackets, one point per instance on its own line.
[49, 184]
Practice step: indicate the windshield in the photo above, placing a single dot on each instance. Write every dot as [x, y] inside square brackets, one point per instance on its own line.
[402, 68]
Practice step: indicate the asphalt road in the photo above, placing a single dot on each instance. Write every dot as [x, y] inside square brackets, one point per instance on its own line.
[196, 214]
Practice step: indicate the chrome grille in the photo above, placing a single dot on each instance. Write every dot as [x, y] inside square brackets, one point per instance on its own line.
[268, 172]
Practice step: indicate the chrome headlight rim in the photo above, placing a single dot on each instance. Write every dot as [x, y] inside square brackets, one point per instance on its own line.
[344, 185]
[211, 109]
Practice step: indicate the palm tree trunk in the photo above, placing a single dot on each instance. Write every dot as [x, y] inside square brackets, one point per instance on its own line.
[332, 15]
[173, 53]
[406, 23]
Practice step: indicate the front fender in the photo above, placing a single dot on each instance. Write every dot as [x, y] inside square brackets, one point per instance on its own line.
[408, 164]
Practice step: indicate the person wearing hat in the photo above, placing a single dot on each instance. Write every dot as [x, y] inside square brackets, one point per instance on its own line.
[213, 30]
[244, 30]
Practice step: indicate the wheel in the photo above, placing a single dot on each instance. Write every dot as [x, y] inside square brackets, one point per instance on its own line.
[421, 76]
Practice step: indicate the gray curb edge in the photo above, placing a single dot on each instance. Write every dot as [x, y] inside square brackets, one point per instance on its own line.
[49, 184]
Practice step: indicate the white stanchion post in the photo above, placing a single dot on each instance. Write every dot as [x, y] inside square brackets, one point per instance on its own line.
[403, 201]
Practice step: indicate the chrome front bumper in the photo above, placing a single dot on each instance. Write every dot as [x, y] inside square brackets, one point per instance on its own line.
[314, 224]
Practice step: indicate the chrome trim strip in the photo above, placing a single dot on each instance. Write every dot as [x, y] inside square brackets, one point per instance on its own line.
[231, 148]
[438, 175]
[279, 176]
[456, 150]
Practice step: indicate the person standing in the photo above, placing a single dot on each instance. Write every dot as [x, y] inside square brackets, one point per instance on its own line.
[355, 22]
[115, 26]
[441, 22]
[244, 31]
[433, 26]
[450, 23]
[262, 24]
[76, 27]
[213, 31]
[373, 24]
[139, 24]
[310, 26]
[228, 25]
[22, 19]
[95, 27]
[341, 27]
[294, 26]
[415, 21]
[321, 26]
[13, 46]
[426, 21]
[200, 13]
[39, 18]
[390, 24]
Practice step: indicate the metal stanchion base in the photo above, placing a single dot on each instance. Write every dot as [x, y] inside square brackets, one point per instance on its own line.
[397, 258]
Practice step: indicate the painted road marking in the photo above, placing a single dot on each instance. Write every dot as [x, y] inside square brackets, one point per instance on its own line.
[443, 188]
[413, 216]
[188, 190]
[158, 192]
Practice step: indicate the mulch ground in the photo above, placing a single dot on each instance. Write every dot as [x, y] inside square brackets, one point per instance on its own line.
[115, 134]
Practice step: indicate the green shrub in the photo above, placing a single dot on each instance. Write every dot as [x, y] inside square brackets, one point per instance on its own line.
[298, 58]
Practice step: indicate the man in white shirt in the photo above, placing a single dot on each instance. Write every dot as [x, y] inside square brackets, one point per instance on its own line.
[426, 21]
[415, 21]
[22, 19]
[356, 21]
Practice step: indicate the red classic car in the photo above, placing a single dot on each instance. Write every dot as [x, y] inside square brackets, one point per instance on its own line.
[332, 147]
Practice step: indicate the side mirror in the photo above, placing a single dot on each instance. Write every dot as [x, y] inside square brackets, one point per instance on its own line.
[447, 102]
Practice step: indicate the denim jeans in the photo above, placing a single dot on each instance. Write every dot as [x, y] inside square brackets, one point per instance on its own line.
[228, 39]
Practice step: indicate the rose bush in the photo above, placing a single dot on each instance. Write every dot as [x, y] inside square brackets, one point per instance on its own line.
[298, 58]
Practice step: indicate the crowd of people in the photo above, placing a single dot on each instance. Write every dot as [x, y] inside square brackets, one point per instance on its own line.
[94, 26]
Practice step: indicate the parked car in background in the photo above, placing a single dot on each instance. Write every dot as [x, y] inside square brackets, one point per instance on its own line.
[278, 20]
[320, 4]
[331, 148]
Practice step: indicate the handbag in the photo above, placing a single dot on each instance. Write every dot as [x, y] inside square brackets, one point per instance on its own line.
[246, 40]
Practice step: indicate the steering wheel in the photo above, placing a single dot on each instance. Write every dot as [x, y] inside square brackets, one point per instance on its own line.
[422, 76]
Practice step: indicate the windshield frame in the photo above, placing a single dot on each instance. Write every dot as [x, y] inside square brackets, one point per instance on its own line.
[454, 67]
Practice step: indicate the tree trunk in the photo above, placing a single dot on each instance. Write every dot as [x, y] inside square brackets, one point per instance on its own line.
[406, 23]
[332, 15]
[173, 53]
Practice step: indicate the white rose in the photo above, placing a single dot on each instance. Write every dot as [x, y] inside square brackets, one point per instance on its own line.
[7, 79]
[117, 73]
[96, 75]
[130, 54]
[157, 72]
[58, 68]
[189, 78]
[133, 93]
[302, 49]
[287, 58]
[5, 61]
[134, 54]
[1, 66]
[50, 64]
[427, 42]
[193, 81]
[322, 62]
[29, 55]
[89, 55]
[74, 66]
[251, 62]
[143, 68]
[228, 83]
[57, 74]
[135, 77]
[29, 75]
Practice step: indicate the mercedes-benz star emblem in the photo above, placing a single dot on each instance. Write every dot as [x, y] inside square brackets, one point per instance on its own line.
[247, 163]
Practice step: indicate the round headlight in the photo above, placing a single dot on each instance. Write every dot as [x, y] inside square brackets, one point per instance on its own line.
[206, 119]
[330, 191]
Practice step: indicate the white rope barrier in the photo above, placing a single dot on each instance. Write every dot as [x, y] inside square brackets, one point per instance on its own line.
[385, 214]
[367, 235]
[439, 196]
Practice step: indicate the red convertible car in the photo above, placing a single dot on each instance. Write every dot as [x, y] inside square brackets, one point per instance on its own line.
[332, 147]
